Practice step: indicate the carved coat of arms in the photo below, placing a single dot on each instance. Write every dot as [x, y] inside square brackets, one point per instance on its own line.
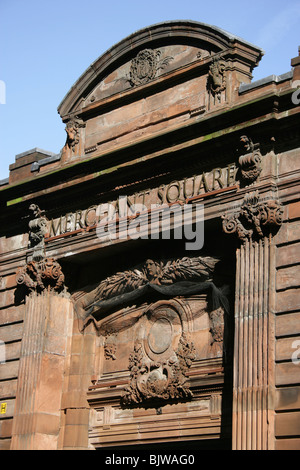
[145, 66]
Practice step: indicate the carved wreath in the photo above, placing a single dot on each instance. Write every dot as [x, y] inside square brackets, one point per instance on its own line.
[158, 273]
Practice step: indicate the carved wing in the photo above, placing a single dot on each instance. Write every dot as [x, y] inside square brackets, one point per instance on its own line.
[164, 62]
[120, 283]
[188, 269]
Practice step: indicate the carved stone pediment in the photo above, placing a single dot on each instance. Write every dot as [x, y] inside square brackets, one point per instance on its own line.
[162, 355]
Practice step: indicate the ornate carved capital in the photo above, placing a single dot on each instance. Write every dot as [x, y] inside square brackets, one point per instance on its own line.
[255, 218]
[43, 275]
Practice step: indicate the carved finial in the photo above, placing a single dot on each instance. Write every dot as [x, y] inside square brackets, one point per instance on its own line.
[38, 228]
[250, 160]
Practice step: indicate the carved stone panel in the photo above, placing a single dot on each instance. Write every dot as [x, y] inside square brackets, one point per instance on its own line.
[161, 341]
[158, 362]
[161, 358]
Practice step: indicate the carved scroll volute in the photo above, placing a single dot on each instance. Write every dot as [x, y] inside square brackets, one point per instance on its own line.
[250, 161]
[40, 276]
[255, 219]
[38, 228]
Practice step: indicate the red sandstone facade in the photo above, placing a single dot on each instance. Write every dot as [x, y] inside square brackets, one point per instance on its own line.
[115, 341]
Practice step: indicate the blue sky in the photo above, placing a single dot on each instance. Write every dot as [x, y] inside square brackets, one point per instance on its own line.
[47, 45]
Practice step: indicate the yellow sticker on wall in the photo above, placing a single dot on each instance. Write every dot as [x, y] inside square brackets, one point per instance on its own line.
[3, 408]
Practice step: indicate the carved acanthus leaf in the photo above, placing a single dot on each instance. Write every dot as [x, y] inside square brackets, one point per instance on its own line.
[38, 228]
[120, 283]
[159, 273]
[255, 218]
[42, 275]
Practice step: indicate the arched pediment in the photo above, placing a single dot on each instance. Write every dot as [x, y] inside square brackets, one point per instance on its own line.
[167, 47]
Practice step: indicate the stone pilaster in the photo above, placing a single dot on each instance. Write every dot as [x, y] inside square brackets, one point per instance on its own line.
[45, 349]
[254, 342]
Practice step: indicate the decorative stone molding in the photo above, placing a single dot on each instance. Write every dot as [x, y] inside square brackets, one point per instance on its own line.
[216, 319]
[145, 66]
[110, 346]
[255, 219]
[110, 351]
[40, 276]
[250, 160]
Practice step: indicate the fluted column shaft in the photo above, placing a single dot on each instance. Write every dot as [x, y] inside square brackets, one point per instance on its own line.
[44, 350]
[254, 346]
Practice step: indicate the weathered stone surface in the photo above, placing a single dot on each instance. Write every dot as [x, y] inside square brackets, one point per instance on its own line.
[168, 116]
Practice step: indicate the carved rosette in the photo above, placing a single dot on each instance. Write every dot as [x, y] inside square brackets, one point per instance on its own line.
[255, 219]
[40, 276]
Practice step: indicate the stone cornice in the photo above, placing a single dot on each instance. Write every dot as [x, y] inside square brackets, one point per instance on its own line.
[99, 167]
